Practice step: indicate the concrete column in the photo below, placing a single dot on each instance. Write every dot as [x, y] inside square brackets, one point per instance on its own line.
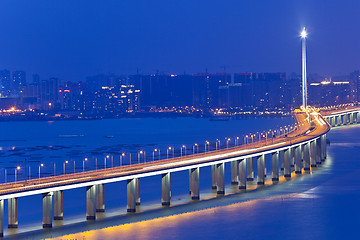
[1, 218]
[345, 119]
[91, 202]
[324, 147]
[165, 189]
[47, 209]
[338, 120]
[298, 164]
[250, 169]
[306, 155]
[351, 118]
[58, 205]
[313, 153]
[275, 166]
[137, 191]
[332, 121]
[12, 213]
[220, 180]
[292, 157]
[131, 195]
[260, 169]
[100, 198]
[282, 158]
[287, 165]
[234, 173]
[213, 177]
[318, 150]
[242, 174]
[194, 183]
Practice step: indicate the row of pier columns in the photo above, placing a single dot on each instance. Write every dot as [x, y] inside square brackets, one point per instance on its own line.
[344, 119]
[295, 158]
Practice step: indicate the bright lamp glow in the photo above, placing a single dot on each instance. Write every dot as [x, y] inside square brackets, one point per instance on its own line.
[303, 33]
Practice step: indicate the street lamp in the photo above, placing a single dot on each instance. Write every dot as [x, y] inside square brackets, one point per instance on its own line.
[197, 148]
[167, 151]
[85, 159]
[208, 144]
[17, 168]
[107, 156]
[41, 165]
[121, 158]
[181, 150]
[66, 162]
[217, 143]
[139, 154]
[236, 141]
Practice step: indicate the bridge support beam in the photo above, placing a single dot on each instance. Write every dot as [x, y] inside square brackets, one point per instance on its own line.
[1, 218]
[91, 202]
[47, 209]
[165, 189]
[100, 198]
[131, 191]
[351, 118]
[58, 205]
[250, 169]
[213, 176]
[282, 160]
[12, 213]
[275, 166]
[194, 184]
[287, 165]
[318, 150]
[137, 191]
[220, 180]
[242, 174]
[298, 164]
[234, 173]
[313, 153]
[260, 169]
[323, 147]
[292, 156]
[306, 155]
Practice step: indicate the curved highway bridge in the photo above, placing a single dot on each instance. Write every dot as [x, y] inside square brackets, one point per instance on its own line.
[299, 150]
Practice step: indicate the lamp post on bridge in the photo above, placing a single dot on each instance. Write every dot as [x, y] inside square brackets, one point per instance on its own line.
[66, 162]
[85, 159]
[16, 169]
[181, 150]
[41, 165]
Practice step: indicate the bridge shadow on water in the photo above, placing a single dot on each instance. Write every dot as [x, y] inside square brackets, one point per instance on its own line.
[298, 183]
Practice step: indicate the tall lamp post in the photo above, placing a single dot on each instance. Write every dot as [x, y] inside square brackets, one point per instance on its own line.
[304, 81]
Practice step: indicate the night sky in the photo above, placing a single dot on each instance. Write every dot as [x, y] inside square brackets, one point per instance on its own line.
[72, 39]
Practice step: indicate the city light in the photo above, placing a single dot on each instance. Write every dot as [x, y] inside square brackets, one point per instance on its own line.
[303, 33]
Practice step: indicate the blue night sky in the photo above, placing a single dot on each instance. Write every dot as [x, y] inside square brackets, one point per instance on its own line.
[72, 39]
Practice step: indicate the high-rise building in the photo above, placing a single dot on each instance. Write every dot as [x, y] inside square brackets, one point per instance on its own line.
[18, 81]
[5, 83]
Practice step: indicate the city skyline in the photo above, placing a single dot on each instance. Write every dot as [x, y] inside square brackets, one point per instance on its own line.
[165, 37]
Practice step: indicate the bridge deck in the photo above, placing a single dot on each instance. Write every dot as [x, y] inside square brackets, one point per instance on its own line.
[302, 133]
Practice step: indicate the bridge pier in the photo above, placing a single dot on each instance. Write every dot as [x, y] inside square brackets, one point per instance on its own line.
[282, 160]
[260, 169]
[137, 191]
[165, 189]
[220, 168]
[47, 209]
[306, 155]
[234, 172]
[351, 118]
[323, 147]
[242, 174]
[58, 205]
[298, 164]
[1, 218]
[91, 202]
[250, 169]
[213, 177]
[318, 151]
[313, 153]
[131, 195]
[100, 198]
[287, 165]
[292, 156]
[194, 184]
[12, 213]
[275, 166]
